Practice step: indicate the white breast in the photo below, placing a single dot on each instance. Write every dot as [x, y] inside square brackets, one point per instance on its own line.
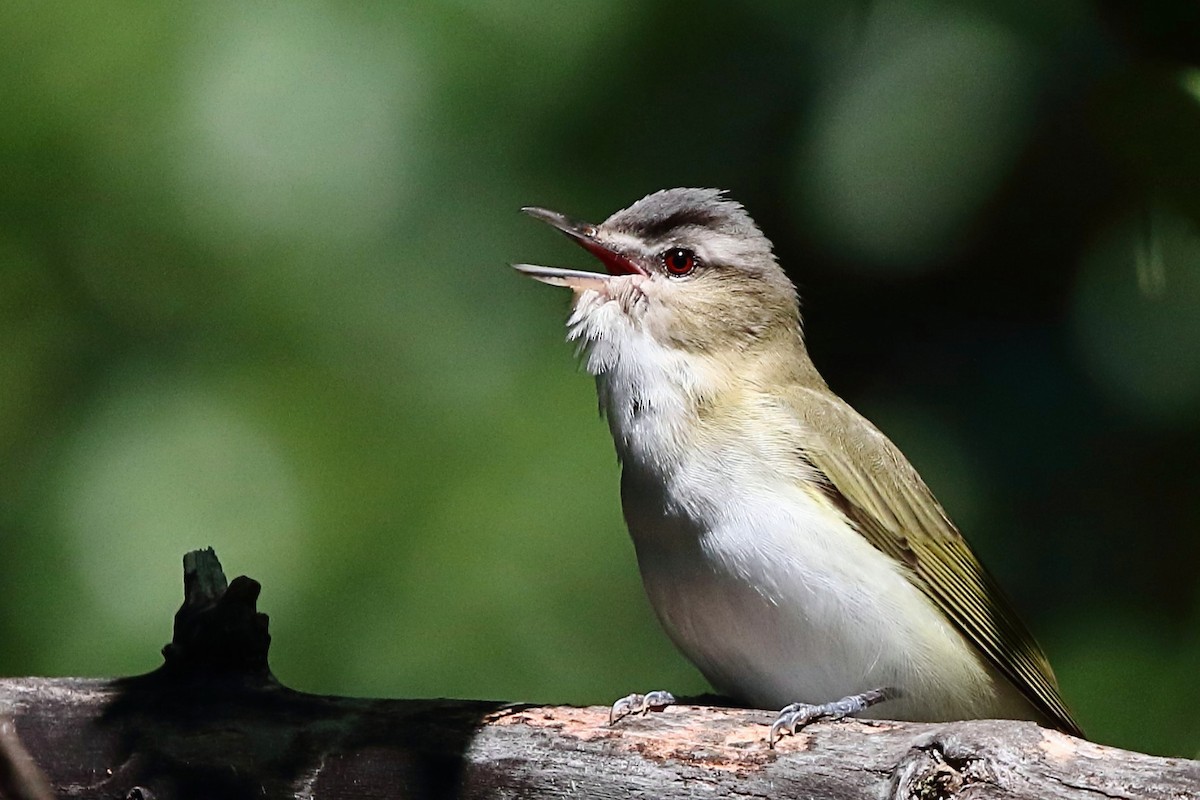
[757, 581]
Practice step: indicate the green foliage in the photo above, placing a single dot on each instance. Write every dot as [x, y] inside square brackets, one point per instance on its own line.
[254, 295]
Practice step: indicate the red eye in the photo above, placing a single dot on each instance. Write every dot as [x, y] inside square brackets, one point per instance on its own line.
[679, 260]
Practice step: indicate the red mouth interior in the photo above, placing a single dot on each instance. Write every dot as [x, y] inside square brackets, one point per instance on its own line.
[615, 263]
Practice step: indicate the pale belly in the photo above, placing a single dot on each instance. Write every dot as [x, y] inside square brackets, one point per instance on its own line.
[776, 601]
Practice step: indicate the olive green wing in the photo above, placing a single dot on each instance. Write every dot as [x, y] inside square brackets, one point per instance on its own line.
[871, 481]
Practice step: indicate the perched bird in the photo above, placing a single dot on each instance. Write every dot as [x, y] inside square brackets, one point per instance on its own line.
[789, 549]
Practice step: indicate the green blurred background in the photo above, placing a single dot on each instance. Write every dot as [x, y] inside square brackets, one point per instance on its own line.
[255, 295]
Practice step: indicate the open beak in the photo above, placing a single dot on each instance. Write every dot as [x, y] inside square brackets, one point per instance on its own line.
[583, 234]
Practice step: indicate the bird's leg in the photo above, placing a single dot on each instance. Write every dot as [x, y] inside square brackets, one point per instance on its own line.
[639, 704]
[795, 716]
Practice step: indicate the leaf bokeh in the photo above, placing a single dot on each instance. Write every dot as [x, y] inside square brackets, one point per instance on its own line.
[254, 295]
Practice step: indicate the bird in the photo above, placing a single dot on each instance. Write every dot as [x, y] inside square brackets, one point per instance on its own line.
[788, 548]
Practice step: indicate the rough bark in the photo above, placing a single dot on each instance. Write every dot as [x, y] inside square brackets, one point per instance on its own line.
[213, 722]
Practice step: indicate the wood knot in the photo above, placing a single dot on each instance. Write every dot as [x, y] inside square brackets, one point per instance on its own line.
[937, 771]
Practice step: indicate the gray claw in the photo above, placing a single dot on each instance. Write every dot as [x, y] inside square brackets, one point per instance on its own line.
[795, 716]
[639, 704]
[624, 707]
[658, 700]
[791, 719]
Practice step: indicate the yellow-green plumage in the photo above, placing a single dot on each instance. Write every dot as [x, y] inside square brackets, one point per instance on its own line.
[873, 484]
[787, 546]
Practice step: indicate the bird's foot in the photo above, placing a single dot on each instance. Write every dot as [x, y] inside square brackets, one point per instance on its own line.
[795, 716]
[639, 704]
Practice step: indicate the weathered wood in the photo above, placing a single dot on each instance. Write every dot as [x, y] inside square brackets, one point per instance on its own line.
[96, 738]
[214, 723]
[20, 779]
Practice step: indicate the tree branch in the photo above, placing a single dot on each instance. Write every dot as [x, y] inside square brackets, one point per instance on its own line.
[214, 722]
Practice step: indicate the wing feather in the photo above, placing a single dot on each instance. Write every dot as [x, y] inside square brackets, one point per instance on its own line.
[882, 494]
